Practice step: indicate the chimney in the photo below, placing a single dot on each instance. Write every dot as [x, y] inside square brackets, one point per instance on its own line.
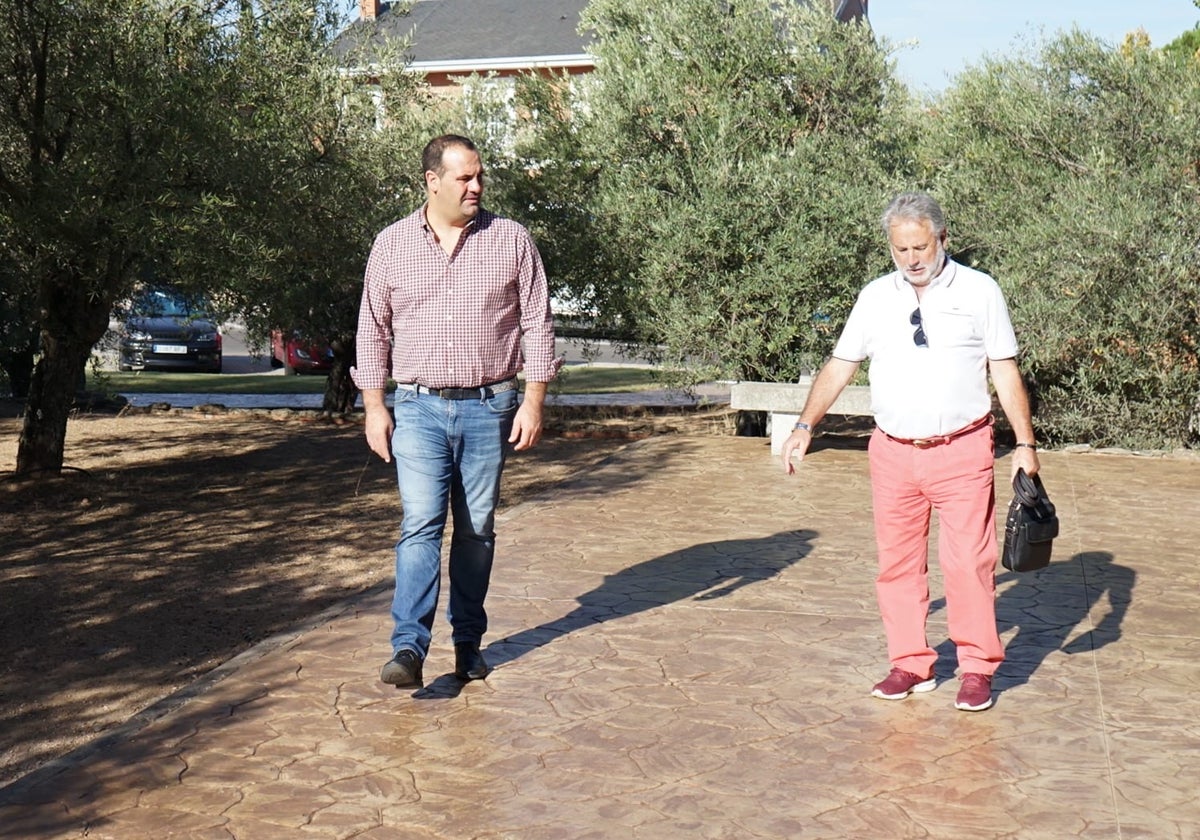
[369, 9]
[848, 10]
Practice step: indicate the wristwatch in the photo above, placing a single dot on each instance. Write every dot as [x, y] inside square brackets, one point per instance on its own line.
[801, 426]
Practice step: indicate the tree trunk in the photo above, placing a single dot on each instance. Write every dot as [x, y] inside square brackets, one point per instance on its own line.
[51, 392]
[74, 316]
[340, 391]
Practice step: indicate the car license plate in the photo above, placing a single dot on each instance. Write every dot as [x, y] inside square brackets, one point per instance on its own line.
[177, 349]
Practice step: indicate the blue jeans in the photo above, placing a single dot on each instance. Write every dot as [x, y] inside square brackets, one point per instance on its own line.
[449, 457]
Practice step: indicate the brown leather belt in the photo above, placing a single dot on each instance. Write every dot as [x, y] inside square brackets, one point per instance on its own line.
[938, 440]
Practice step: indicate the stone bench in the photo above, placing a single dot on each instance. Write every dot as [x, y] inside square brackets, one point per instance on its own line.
[784, 400]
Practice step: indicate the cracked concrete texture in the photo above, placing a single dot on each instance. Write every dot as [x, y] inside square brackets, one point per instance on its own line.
[684, 643]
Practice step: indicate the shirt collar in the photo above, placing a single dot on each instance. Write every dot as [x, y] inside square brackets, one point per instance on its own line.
[470, 225]
[946, 275]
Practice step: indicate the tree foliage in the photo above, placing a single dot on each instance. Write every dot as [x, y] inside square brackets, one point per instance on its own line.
[205, 142]
[334, 184]
[1187, 45]
[1073, 176]
[741, 154]
[540, 174]
[714, 186]
[711, 188]
[86, 142]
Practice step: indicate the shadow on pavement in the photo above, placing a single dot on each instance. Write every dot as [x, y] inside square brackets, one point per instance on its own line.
[1048, 605]
[1045, 607]
[702, 572]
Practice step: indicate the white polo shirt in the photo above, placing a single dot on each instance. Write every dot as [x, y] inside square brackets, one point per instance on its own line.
[920, 392]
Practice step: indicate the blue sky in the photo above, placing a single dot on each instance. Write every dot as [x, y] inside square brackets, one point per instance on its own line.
[954, 34]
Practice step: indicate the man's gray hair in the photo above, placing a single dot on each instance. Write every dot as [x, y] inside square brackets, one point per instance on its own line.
[914, 207]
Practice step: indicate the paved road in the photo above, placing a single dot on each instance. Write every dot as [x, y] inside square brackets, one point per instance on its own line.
[238, 356]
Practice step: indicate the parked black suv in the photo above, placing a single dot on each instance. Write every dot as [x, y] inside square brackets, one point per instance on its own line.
[166, 330]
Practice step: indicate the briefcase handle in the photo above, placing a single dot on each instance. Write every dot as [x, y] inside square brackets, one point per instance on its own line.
[1032, 494]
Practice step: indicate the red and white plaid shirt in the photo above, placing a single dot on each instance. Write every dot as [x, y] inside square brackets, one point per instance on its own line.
[454, 321]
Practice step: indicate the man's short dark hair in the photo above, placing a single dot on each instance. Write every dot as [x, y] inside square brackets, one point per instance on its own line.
[435, 150]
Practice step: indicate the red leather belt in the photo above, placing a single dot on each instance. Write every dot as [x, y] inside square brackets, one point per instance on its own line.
[938, 440]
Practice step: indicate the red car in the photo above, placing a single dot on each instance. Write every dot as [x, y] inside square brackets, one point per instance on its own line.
[299, 354]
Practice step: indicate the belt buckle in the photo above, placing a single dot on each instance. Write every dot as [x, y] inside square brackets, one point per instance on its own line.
[926, 443]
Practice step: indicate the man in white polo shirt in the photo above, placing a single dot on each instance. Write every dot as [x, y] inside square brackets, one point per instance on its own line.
[933, 331]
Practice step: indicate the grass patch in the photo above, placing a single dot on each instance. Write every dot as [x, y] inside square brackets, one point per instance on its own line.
[577, 379]
[589, 379]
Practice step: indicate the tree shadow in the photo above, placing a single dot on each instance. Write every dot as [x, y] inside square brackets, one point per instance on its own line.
[152, 566]
[705, 572]
[148, 562]
[1048, 605]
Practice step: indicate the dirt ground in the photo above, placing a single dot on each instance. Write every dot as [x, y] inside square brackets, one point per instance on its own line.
[176, 539]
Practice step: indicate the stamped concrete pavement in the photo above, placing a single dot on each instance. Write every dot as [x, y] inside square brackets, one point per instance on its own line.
[685, 641]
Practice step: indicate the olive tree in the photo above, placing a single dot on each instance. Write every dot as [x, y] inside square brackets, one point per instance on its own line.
[539, 173]
[741, 153]
[1187, 45]
[348, 164]
[202, 141]
[68, 185]
[1071, 175]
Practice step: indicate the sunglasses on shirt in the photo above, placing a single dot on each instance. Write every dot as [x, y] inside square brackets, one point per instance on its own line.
[918, 336]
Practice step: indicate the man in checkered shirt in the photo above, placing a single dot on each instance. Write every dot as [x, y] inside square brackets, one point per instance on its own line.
[455, 303]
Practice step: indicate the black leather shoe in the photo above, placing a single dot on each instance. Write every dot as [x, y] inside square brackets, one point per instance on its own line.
[469, 663]
[403, 670]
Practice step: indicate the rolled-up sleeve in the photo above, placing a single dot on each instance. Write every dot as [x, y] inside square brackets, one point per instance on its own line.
[374, 337]
[537, 323]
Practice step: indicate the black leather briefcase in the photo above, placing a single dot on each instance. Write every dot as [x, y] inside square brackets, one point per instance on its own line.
[1031, 527]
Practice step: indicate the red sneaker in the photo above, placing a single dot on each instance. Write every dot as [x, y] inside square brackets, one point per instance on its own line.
[975, 694]
[899, 684]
